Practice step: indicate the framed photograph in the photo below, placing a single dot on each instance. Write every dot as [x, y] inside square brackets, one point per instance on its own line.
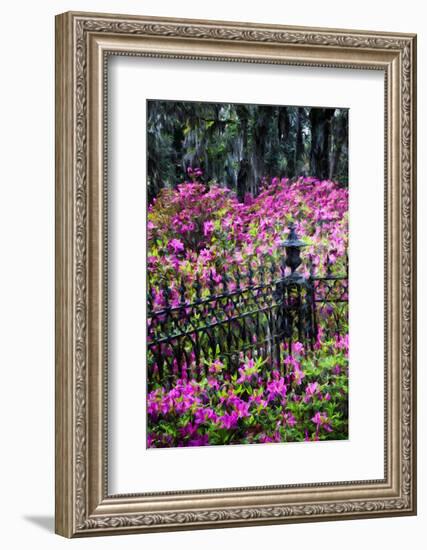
[235, 274]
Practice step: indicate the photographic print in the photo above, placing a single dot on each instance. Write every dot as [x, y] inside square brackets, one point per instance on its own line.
[217, 223]
[247, 269]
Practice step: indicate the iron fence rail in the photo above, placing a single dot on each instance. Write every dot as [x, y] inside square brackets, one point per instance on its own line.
[260, 315]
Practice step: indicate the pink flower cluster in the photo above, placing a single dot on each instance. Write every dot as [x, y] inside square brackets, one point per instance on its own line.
[199, 231]
[260, 405]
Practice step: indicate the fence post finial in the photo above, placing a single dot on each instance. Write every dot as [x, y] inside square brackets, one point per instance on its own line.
[293, 247]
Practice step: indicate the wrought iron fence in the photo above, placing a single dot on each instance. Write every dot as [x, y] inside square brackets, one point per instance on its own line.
[260, 314]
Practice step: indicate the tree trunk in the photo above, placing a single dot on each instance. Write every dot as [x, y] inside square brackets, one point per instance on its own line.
[339, 127]
[242, 179]
[320, 121]
[299, 147]
[243, 174]
[290, 146]
[259, 146]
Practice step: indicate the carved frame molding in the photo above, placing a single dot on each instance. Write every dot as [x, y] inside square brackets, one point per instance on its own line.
[83, 43]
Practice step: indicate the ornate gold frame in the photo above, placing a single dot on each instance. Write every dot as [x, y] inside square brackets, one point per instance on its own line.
[83, 42]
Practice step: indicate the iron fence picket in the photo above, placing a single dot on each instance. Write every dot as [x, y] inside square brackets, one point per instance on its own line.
[254, 319]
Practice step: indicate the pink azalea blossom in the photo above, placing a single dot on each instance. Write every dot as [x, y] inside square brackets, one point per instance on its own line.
[208, 228]
[176, 246]
[321, 420]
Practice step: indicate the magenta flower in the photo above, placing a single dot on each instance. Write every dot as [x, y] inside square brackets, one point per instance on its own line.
[213, 383]
[247, 371]
[276, 388]
[216, 367]
[199, 441]
[208, 228]
[158, 299]
[292, 363]
[206, 255]
[298, 375]
[229, 421]
[298, 348]
[336, 370]
[311, 389]
[176, 246]
[152, 407]
[289, 419]
[263, 438]
[248, 199]
[205, 416]
[242, 409]
[321, 420]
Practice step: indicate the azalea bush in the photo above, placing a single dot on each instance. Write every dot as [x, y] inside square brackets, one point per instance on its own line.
[201, 240]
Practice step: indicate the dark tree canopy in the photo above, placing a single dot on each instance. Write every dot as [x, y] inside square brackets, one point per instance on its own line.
[239, 144]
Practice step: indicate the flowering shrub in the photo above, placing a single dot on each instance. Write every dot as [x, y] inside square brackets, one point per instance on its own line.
[197, 233]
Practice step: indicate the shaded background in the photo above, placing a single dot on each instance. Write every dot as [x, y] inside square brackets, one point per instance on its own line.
[239, 144]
